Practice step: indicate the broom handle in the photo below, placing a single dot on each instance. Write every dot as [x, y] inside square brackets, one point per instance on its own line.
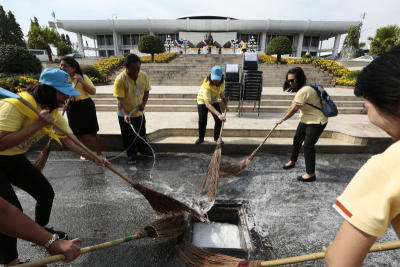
[222, 126]
[79, 143]
[265, 139]
[85, 250]
[319, 255]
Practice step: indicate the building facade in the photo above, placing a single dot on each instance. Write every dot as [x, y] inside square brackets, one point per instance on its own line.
[116, 37]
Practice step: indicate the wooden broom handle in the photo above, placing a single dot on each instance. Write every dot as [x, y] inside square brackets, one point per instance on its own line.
[79, 143]
[319, 255]
[85, 250]
[265, 139]
[222, 126]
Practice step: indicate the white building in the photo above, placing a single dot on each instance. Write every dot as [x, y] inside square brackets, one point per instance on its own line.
[115, 37]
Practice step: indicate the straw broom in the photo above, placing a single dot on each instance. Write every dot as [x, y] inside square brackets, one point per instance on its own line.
[236, 168]
[212, 173]
[197, 257]
[159, 202]
[44, 154]
[171, 227]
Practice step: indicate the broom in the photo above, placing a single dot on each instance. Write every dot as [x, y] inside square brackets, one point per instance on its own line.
[212, 173]
[41, 160]
[159, 202]
[197, 257]
[169, 227]
[234, 169]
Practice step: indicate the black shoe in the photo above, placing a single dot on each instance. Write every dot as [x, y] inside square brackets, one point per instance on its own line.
[287, 167]
[61, 235]
[311, 179]
[199, 141]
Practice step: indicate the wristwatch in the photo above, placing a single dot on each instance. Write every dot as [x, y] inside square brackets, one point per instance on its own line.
[51, 241]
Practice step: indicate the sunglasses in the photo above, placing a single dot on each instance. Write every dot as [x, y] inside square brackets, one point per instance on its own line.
[291, 81]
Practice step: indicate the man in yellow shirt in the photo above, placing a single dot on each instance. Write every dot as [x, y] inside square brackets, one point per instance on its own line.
[131, 88]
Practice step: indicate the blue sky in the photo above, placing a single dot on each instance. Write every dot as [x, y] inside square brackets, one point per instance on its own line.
[379, 13]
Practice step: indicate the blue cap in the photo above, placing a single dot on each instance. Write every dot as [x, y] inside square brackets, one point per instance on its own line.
[58, 79]
[216, 73]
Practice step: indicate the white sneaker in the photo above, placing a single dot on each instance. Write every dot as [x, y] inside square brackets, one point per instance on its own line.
[82, 158]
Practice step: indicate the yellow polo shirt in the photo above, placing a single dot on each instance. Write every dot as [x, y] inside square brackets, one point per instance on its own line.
[372, 199]
[210, 93]
[11, 120]
[131, 91]
[309, 114]
[78, 86]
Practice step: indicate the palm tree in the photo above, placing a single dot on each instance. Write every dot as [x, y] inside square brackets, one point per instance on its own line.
[385, 39]
[42, 37]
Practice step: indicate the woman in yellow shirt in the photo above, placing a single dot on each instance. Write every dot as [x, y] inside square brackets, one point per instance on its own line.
[209, 99]
[372, 199]
[20, 127]
[312, 121]
[81, 111]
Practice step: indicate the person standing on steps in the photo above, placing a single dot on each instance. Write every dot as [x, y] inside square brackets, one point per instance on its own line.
[211, 98]
[81, 111]
[312, 121]
[131, 87]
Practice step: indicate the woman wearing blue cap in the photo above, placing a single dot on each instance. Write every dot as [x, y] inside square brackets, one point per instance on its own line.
[209, 99]
[20, 127]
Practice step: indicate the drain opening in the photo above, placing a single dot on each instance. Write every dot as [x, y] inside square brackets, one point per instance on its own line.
[227, 233]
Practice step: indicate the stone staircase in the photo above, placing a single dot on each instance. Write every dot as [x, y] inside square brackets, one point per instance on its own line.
[187, 103]
[191, 70]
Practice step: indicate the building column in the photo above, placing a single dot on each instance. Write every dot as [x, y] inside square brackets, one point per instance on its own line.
[299, 44]
[95, 47]
[80, 43]
[336, 45]
[263, 41]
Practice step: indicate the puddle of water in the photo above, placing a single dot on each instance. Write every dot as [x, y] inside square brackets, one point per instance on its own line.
[216, 235]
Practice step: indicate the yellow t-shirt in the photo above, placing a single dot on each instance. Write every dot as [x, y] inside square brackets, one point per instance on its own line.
[12, 120]
[78, 86]
[132, 92]
[210, 93]
[309, 114]
[372, 199]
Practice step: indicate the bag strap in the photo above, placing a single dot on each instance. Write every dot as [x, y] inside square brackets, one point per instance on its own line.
[317, 90]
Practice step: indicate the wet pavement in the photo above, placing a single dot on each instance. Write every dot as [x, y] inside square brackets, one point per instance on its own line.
[285, 217]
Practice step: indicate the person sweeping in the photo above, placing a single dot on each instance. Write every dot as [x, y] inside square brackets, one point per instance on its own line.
[211, 98]
[20, 127]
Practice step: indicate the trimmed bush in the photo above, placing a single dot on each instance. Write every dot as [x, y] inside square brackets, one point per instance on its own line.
[91, 71]
[280, 46]
[151, 44]
[16, 59]
[16, 83]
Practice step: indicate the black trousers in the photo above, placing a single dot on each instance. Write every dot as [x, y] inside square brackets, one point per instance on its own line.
[128, 136]
[18, 171]
[203, 112]
[309, 134]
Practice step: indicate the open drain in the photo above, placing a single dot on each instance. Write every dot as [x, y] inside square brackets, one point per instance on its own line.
[226, 234]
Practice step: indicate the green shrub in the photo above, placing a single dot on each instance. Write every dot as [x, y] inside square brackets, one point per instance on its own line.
[279, 45]
[91, 71]
[151, 44]
[352, 75]
[16, 82]
[16, 59]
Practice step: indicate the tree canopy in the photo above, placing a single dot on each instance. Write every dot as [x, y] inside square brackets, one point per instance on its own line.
[385, 38]
[279, 45]
[10, 31]
[151, 44]
[41, 37]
